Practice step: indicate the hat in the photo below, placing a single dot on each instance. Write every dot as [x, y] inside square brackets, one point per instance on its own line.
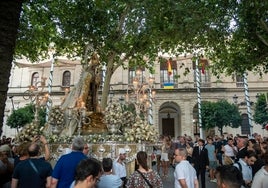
[122, 151]
[4, 148]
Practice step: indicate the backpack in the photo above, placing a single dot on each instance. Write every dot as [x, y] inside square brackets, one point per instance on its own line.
[239, 165]
[240, 169]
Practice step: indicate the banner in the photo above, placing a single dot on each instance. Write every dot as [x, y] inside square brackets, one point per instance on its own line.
[168, 85]
[169, 69]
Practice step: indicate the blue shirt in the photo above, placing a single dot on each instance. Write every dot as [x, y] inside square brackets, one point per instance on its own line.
[109, 181]
[211, 152]
[65, 168]
[246, 170]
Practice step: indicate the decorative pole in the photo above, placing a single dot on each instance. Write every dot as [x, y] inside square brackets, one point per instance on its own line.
[50, 79]
[197, 76]
[245, 82]
[150, 113]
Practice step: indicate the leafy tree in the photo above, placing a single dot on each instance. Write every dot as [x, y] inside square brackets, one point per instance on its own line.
[123, 31]
[246, 45]
[219, 114]
[261, 112]
[25, 115]
[233, 34]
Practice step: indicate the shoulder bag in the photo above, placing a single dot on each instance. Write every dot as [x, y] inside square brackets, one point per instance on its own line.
[149, 184]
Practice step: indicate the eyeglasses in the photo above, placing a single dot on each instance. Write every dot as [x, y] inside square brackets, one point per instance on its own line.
[85, 147]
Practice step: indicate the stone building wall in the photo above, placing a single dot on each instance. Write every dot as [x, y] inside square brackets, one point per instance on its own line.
[179, 102]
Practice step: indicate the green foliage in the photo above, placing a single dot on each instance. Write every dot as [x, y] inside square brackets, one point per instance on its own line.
[231, 33]
[261, 112]
[42, 117]
[25, 115]
[220, 114]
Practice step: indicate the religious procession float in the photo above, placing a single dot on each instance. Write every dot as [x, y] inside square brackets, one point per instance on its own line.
[118, 126]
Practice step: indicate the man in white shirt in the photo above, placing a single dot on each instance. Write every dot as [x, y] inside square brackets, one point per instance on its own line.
[260, 179]
[185, 174]
[230, 150]
[119, 167]
[244, 165]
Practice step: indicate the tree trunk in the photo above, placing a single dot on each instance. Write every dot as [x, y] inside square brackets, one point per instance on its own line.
[106, 87]
[9, 23]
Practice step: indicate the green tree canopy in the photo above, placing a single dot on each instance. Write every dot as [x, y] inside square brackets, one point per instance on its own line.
[25, 115]
[219, 114]
[261, 111]
[231, 33]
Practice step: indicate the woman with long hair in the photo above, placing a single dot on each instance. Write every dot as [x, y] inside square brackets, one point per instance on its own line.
[144, 176]
[165, 159]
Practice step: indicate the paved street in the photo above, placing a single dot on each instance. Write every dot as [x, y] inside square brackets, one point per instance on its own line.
[169, 182]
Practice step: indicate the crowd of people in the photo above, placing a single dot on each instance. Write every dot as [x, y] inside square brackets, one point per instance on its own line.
[223, 157]
[27, 165]
[231, 162]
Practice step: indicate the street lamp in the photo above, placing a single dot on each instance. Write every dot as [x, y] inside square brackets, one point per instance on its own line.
[235, 99]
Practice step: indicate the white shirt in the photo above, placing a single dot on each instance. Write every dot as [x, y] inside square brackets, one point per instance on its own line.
[184, 170]
[260, 179]
[246, 170]
[119, 169]
[229, 151]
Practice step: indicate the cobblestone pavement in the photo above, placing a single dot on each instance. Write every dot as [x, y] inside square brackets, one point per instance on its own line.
[169, 181]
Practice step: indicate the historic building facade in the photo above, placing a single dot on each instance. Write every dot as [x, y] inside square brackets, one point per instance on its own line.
[175, 109]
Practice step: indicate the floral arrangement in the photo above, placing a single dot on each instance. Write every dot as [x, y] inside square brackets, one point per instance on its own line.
[137, 131]
[56, 116]
[60, 139]
[141, 132]
[128, 118]
[117, 117]
[113, 114]
[28, 132]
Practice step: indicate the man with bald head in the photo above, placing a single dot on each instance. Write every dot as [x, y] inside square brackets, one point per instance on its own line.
[32, 172]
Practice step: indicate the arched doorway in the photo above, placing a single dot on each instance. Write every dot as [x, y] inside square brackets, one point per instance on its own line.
[169, 119]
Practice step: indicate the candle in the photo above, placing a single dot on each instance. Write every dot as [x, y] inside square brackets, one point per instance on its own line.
[83, 110]
[66, 91]
[69, 111]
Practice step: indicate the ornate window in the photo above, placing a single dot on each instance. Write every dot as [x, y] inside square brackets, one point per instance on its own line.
[167, 74]
[35, 77]
[132, 73]
[204, 75]
[66, 79]
[239, 81]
